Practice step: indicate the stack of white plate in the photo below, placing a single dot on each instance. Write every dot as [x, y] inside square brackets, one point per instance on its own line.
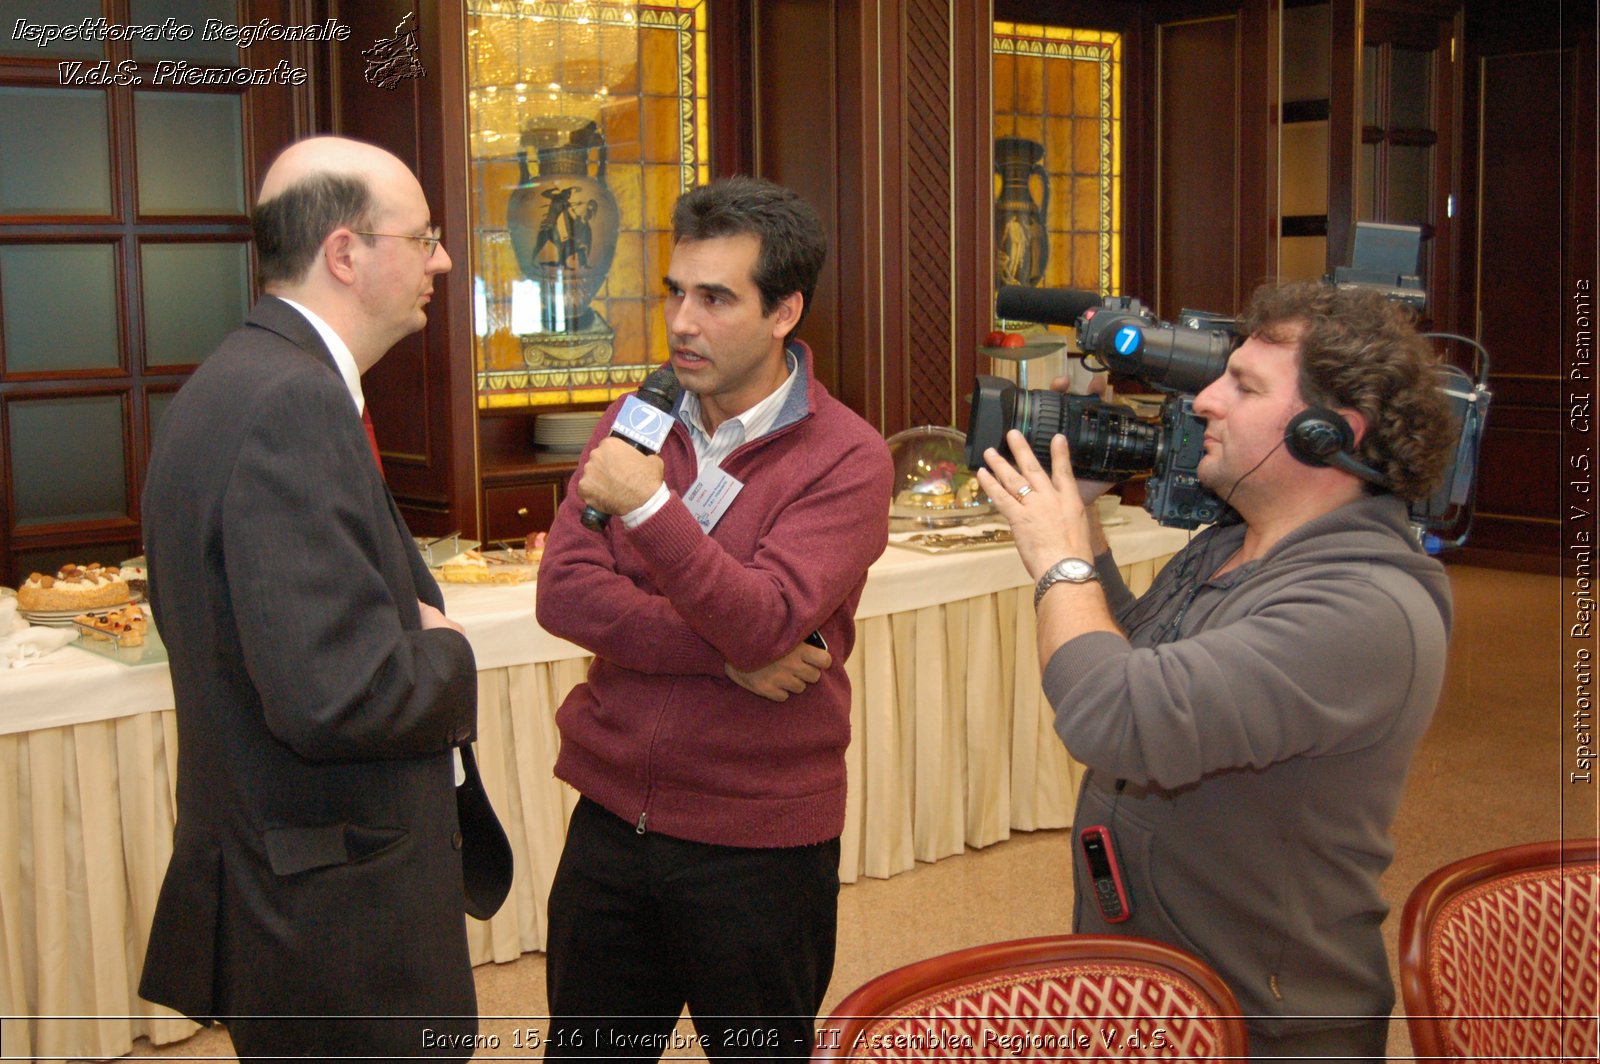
[63, 618]
[565, 432]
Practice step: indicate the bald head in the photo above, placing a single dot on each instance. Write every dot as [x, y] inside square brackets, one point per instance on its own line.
[316, 186]
[329, 155]
[343, 229]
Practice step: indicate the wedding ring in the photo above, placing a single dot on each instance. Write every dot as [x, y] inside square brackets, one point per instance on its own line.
[1022, 492]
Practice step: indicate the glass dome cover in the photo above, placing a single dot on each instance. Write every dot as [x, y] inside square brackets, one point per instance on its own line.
[933, 488]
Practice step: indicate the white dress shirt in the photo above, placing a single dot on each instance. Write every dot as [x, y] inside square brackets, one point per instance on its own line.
[711, 449]
[342, 358]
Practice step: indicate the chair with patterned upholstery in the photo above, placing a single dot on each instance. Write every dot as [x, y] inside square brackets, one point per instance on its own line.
[1500, 955]
[1107, 996]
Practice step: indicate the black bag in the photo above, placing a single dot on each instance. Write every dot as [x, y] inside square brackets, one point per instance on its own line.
[486, 862]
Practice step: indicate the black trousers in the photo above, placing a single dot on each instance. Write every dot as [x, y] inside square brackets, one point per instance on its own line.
[643, 925]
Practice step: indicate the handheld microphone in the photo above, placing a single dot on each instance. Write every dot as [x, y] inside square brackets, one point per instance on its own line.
[644, 421]
[1045, 306]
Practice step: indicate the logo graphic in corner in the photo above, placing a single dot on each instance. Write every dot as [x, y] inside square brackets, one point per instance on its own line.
[392, 60]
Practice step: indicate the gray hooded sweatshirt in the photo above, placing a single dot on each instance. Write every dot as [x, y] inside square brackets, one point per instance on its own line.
[1248, 744]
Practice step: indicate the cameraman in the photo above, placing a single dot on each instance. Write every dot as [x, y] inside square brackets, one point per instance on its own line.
[1248, 721]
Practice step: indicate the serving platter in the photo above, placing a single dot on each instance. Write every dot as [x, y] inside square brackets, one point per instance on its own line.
[150, 652]
[945, 542]
[1031, 349]
[63, 618]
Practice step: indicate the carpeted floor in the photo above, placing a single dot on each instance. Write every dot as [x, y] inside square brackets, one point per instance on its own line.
[1490, 773]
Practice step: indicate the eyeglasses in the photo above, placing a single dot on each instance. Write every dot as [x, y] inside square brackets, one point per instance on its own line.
[429, 240]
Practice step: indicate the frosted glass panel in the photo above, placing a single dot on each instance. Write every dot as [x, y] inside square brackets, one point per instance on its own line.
[194, 295]
[1410, 85]
[53, 154]
[67, 460]
[193, 14]
[38, 14]
[60, 307]
[1367, 198]
[157, 403]
[1302, 258]
[1369, 84]
[191, 153]
[1408, 183]
[1307, 55]
[1305, 168]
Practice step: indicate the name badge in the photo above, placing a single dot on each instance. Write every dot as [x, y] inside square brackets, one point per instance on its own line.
[642, 423]
[709, 497]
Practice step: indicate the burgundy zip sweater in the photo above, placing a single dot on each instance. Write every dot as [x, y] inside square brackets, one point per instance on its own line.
[658, 734]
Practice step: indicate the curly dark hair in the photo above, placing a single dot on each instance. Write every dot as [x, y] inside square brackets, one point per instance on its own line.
[793, 243]
[291, 226]
[1361, 351]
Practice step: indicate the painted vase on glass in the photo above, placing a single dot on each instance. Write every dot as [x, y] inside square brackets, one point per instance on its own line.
[1022, 245]
[564, 221]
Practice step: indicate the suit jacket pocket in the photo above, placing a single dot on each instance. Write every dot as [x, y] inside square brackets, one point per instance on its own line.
[296, 850]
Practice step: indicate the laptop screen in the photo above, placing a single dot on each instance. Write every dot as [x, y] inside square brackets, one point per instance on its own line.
[1392, 250]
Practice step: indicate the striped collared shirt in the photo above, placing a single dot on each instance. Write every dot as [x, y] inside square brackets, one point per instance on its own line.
[710, 450]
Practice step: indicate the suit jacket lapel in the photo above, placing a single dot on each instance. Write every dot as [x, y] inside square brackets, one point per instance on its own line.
[276, 316]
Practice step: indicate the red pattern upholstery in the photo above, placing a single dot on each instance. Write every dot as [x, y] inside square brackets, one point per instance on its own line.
[1500, 955]
[1067, 996]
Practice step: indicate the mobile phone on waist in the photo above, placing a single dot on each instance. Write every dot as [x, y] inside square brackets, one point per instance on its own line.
[1105, 873]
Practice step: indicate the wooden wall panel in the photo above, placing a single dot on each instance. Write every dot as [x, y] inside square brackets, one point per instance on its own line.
[1197, 176]
[1215, 135]
[928, 222]
[889, 138]
[422, 395]
[1522, 234]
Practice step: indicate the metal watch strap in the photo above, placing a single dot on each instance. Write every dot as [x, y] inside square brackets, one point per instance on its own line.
[1067, 570]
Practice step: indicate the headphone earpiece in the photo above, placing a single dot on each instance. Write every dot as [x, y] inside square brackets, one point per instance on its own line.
[1316, 434]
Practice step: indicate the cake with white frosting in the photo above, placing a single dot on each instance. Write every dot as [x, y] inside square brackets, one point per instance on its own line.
[74, 588]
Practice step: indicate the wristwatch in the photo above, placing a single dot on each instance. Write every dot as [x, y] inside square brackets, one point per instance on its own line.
[1072, 570]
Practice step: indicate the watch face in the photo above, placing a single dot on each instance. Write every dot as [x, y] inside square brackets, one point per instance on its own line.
[1077, 570]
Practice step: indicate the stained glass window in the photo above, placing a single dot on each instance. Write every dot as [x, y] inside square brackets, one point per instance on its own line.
[1058, 154]
[588, 120]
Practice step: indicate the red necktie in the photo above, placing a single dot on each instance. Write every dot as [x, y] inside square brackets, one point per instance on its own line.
[372, 438]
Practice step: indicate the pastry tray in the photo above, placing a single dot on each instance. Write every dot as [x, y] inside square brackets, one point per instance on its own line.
[956, 540]
[505, 567]
[109, 645]
[437, 551]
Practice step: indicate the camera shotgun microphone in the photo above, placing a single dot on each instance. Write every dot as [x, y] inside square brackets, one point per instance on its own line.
[1045, 306]
[644, 421]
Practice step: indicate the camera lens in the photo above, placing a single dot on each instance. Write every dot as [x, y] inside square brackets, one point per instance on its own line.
[1108, 443]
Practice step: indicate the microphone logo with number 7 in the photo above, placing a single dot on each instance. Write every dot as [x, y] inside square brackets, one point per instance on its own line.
[645, 421]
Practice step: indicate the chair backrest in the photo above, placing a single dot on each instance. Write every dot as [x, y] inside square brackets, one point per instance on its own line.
[1500, 955]
[1108, 996]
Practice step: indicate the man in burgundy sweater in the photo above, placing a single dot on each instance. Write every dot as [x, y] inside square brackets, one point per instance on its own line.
[701, 865]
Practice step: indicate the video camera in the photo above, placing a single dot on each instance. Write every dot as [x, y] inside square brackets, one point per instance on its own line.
[1112, 443]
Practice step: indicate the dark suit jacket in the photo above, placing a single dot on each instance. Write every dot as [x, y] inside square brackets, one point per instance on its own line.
[316, 863]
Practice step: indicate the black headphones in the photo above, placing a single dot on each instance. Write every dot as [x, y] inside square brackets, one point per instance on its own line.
[1318, 436]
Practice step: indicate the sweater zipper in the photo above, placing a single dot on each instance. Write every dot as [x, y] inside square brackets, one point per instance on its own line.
[639, 827]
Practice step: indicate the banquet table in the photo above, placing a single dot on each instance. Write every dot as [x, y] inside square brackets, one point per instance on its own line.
[952, 746]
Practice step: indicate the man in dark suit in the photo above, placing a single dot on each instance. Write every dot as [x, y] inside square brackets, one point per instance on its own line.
[316, 867]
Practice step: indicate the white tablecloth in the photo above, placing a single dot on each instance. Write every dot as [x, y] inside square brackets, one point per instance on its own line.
[952, 746]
